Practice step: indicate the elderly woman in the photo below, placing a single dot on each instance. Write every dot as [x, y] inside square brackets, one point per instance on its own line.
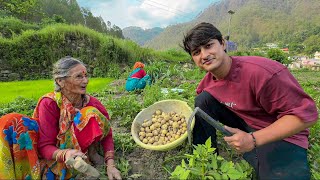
[138, 78]
[71, 123]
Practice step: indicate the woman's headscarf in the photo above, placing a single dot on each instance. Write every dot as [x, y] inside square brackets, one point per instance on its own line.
[138, 65]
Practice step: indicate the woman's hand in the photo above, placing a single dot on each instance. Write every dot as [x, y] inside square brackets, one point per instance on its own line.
[72, 153]
[112, 171]
[241, 141]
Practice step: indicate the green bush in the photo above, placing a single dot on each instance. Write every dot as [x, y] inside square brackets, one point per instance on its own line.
[11, 27]
[19, 105]
[33, 52]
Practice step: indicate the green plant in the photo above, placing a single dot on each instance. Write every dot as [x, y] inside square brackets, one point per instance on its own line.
[19, 105]
[124, 167]
[313, 151]
[124, 108]
[124, 142]
[204, 163]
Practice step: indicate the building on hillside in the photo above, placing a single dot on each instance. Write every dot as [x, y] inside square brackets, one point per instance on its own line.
[271, 45]
[317, 55]
[304, 62]
[313, 64]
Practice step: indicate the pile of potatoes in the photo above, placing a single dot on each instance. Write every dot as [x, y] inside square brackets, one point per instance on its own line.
[163, 128]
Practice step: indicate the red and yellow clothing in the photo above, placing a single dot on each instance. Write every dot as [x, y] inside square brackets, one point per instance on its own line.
[61, 126]
[18, 147]
[55, 124]
[49, 115]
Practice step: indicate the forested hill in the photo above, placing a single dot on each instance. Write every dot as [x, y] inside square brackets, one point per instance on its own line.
[288, 23]
[45, 12]
[139, 35]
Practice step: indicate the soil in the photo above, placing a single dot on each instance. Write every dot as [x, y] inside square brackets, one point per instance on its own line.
[144, 164]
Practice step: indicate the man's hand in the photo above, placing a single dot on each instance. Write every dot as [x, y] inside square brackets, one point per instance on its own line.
[241, 141]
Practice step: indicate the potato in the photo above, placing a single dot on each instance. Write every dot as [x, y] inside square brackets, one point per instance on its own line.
[143, 134]
[163, 128]
[158, 112]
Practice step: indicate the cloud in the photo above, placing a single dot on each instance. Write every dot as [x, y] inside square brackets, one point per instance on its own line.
[145, 13]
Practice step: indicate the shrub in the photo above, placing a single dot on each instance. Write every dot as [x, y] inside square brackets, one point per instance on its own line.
[19, 105]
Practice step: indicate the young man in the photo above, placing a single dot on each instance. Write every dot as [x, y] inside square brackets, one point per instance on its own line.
[258, 100]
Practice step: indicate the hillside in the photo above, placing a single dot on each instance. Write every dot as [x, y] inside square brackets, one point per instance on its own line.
[139, 35]
[254, 23]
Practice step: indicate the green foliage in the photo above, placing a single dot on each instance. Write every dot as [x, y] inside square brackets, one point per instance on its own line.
[10, 27]
[19, 8]
[204, 163]
[175, 55]
[277, 55]
[124, 167]
[313, 151]
[312, 44]
[124, 143]
[123, 109]
[156, 69]
[19, 105]
[33, 53]
[53, 20]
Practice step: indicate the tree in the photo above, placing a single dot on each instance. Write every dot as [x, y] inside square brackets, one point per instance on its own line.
[277, 55]
[21, 9]
[312, 44]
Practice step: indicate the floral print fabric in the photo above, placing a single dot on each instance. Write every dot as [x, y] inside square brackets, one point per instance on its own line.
[18, 143]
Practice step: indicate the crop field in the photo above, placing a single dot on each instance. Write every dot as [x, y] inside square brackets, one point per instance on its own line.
[135, 162]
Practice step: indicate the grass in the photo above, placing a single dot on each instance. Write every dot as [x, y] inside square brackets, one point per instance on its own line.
[36, 88]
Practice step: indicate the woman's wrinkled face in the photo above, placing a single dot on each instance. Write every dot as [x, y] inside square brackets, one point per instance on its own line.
[77, 80]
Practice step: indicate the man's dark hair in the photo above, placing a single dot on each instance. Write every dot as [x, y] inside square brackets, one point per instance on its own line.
[200, 35]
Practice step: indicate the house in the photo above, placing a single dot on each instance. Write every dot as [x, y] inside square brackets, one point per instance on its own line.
[304, 62]
[272, 45]
[317, 55]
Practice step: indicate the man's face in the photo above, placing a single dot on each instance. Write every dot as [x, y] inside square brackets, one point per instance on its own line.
[210, 56]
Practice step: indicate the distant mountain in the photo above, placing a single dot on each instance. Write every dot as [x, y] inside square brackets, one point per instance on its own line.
[254, 23]
[140, 35]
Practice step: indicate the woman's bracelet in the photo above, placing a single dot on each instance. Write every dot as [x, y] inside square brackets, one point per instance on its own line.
[254, 139]
[61, 155]
[108, 155]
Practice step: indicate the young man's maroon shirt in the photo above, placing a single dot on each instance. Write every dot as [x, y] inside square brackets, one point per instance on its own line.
[260, 91]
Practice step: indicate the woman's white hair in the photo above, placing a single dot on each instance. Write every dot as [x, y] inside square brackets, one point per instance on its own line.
[61, 69]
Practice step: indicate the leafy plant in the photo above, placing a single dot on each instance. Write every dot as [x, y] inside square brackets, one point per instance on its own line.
[124, 108]
[124, 142]
[124, 167]
[19, 105]
[204, 163]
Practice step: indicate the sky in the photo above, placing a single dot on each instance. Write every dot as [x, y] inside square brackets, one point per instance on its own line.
[146, 13]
